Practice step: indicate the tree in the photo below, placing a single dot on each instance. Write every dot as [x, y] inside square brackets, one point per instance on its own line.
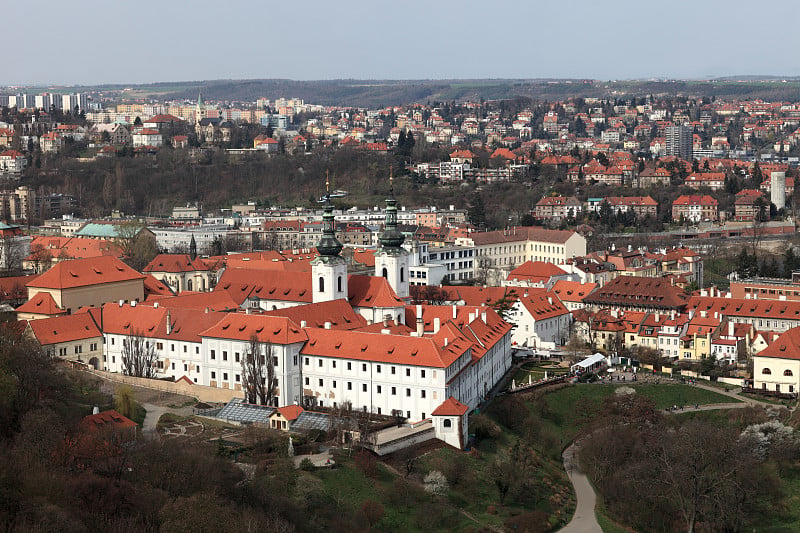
[258, 372]
[139, 356]
[477, 211]
[124, 402]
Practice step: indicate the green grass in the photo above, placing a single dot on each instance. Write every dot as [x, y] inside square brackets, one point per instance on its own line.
[606, 523]
[718, 384]
[768, 399]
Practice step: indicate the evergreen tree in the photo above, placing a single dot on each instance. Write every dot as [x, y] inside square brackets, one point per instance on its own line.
[477, 212]
[791, 262]
[746, 264]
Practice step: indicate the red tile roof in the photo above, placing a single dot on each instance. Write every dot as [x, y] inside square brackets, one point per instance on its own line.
[174, 263]
[42, 303]
[199, 301]
[106, 420]
[787, 346]
[64, 328]
[450, 407]
[271, 329]
[415, 351]
[544, 305]
[290, 412]
[371, 291]
[185, 324]
[338, 312]
[85, 272]
[572, 291]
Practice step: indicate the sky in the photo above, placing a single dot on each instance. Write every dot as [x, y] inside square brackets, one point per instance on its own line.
[109, 41]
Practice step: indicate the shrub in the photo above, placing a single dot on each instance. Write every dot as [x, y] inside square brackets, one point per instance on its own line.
[436, 482]
[307, 465]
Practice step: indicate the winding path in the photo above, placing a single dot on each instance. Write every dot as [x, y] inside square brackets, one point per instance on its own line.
[584, 519]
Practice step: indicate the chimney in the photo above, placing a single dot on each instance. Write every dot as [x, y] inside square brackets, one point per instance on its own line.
[208, 309]
[702, 314]
[550, 300]
[672, 314]
[303, 324]
[657, 317]
[483, 317]
[328, 325]
[385, 322]
[730, 328]
[455, 311]
[133, 303]
[121, 303]
[248, 311]
[419, 311]
[420, 326]
[436, 325]
[385, 332]
[169, 323]
[155, 305]
[691, 314]
[471, 318]
[445, 342]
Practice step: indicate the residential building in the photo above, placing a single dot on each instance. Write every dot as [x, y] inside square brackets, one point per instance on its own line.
[695, 208]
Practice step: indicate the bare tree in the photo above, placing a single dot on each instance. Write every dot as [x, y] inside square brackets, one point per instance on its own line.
[258, 372]
[138, 356]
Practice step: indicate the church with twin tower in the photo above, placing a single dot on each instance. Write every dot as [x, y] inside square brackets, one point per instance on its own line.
[329, 269]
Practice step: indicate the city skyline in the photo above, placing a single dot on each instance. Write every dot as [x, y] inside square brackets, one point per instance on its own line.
[413, 40]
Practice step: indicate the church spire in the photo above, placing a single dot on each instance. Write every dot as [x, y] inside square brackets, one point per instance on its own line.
[329, 245]
[391, 238]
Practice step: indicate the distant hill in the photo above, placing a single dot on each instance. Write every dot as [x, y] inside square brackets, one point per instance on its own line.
[380, 93]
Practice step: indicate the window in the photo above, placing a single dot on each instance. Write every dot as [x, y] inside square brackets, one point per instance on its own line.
[408, 393]
[422, 374]
[402, 274]
[93, 346]
[363, 367]
[294, 360]
[319, 363]
[307, 381]
[213, 375]
[408, 372]
[349, 366]
[320, 382]
[349, 385]
[378, 369]
[393, 370]
[339, 284]
[213, 354]
[333, 364]
[422, 395]
[766, 371]
[197, 350]
[159, 345]
[171, 347]
[236, 356]
[385, 273]
[447, 423]
[321, 284]
[364, 387]
[184, 349]
[378, 389]
[333, 384]
[787, 373]
[225, 376]
[306, 362]
[394, 391]
[224, 355]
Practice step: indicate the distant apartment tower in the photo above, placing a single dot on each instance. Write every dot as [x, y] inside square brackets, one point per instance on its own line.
[777, 189]
[679, 141]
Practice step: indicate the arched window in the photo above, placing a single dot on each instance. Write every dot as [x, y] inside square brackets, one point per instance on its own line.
[321, 284]
[189, 284]
[787, 373]
[402, 274]
[385, 273]
[766, 371]
[339, 284]
[448, 423]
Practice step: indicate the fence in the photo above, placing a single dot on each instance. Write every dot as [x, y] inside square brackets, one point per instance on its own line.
[183, 387]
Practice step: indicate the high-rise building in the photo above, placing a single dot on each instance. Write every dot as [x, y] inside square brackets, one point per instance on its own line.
[679, 141]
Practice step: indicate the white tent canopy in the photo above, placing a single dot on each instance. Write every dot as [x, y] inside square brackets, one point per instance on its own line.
[590, 363]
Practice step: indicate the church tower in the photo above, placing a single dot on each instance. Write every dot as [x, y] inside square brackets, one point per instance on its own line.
[391, 259]
[200, 111]
[329, 269]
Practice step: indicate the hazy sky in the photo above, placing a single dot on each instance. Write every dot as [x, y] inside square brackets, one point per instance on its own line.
[95, 41]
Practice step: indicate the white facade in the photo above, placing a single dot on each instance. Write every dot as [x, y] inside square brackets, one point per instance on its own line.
[329, 279]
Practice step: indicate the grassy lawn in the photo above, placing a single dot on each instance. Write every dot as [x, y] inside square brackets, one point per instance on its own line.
[407, 507]
[536, 371]
[718, 385]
